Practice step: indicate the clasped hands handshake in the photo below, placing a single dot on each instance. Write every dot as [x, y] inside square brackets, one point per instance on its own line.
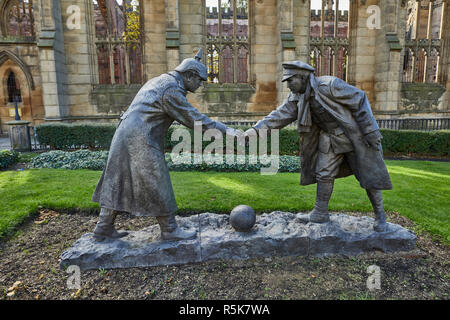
[372, 139]
[242, 137]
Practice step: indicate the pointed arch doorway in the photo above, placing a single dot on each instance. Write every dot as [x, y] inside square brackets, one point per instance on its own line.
[16, 84]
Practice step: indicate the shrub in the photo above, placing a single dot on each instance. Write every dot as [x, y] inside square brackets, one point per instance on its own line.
[81, 159]
[7, 158]
[76, 135]
[98, 136]
[96, 160]
[416, 142]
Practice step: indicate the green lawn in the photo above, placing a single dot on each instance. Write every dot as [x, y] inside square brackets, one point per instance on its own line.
[421, 192]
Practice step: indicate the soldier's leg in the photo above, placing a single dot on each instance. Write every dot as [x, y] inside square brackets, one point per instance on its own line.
[327, 168]
[376, 198]
[320, 212]
[171, 231]
[105, 225]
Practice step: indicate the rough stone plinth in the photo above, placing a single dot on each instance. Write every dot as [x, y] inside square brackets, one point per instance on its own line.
[274, 234]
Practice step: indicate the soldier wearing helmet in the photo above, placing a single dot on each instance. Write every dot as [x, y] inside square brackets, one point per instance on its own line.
[136, 178]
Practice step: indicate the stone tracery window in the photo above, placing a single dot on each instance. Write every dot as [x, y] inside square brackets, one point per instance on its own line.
[329, 29]
[118, 40]
[422, 40]
[227, 41]
[17, 18]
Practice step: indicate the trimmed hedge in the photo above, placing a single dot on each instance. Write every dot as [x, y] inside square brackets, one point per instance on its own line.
[63, 136]
[435, 143]
[98, 136]
[7, 158]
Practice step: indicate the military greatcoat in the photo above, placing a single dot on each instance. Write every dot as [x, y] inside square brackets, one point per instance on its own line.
[350, 108]
[136, 177]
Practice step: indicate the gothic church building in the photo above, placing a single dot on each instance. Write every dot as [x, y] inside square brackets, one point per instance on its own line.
[84, 60]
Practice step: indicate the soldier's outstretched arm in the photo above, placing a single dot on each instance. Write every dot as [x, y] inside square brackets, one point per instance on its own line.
[280, 117]
[176, 105]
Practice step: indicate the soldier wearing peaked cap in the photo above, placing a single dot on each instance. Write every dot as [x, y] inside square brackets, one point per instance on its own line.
[136, 178]
[339, 136]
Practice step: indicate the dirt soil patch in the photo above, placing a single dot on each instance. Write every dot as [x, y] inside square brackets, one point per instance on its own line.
[29, 269]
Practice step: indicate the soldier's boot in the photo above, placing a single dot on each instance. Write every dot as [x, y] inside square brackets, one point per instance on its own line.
[105, 226]
[171, 231]
[376, 198]
[320, 212]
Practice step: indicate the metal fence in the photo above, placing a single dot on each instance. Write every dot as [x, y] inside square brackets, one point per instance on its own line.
[415, 124]
[394, 124]
[35, 145]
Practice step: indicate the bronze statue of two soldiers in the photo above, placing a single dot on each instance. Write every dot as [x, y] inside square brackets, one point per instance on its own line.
[338, 137]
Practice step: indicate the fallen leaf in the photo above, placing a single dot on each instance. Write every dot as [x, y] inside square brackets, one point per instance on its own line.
[313, 276]
[76, 294]
[11, 294]
[15, 286]
[36, 297]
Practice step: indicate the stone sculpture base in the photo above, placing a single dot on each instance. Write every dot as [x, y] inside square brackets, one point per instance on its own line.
[274, 234]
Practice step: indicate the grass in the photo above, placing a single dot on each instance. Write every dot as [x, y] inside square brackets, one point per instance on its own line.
[421, 193]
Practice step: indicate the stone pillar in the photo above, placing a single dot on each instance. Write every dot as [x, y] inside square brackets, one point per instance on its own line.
[155, 59]
[294, 20]
[19, 135]
[445, 57]
[286, 44]
[191, 39]
[53, 61]
[77, 45]
[265, 42]
[191, 16]
[172, 34]
[388, 60]
[362, 49]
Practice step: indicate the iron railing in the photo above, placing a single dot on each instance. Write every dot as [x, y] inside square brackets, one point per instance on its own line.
[394, 124]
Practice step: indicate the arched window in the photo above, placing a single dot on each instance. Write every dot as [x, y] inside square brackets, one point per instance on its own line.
[422, 40]
[227, 41]
[13, 86]
[329, 29]
[117, 25]
[18, 18]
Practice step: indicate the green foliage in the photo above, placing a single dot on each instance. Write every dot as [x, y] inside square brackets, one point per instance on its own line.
[96, 160]
[76, 135]
[7, 158]
[80, 159]
[132, 31]
[98, 137]
[417, 142]
[421, 190]
[235, 164]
